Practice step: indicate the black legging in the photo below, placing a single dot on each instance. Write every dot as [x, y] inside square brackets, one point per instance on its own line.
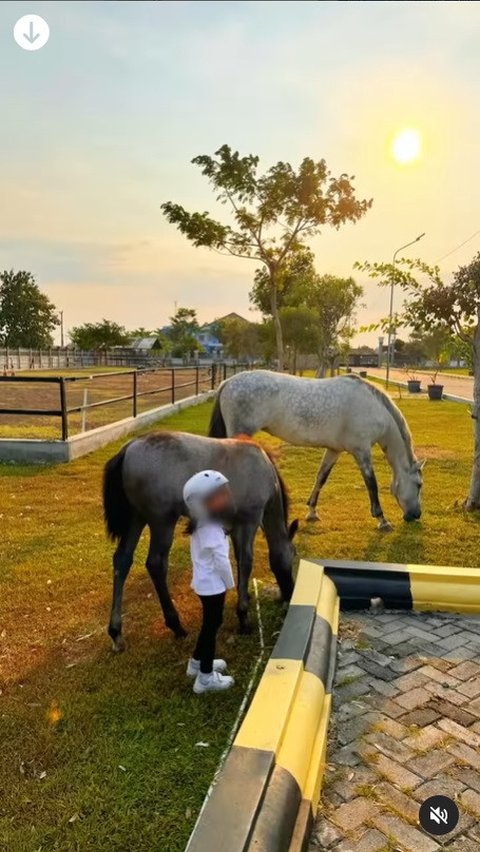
[212, 606]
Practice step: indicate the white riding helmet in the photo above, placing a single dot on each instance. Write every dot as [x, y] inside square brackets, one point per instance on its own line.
[198, 488]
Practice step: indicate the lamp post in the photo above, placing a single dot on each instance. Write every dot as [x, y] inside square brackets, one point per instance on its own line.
[390, 313]
[62, 342]
[380, 350]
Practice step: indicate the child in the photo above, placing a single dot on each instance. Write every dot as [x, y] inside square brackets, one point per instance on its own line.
[209, 502]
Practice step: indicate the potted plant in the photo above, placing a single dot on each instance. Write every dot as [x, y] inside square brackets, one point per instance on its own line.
[413, 382]
[435, 391]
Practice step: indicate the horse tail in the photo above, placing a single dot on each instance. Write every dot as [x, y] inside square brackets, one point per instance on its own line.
[217, 427]
[116, 508]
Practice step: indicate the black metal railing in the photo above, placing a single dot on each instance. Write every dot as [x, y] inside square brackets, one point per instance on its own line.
[204, 378]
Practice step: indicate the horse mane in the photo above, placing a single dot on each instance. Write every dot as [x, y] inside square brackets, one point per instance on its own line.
[392, 409]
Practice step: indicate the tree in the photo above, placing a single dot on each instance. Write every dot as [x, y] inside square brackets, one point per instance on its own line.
[432, 304]
[241, 339]
[299, 270]
[183, 331]
[99, 335]
[27, 316]
[333, 302]
[301, 331]
[273, 214]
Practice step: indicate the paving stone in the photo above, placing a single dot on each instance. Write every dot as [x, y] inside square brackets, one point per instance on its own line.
[347, 658]
[405, 665]
[465, 670]
[465, 777]
[431, 764]
[389, 745]
[348, 786]
[371, 841]
[409, 839]
[426, 738]
[413, 699]
[378, 671]
[474, 707]
[470, 800]
[466, 754]
[452, 642]
[394, 799]
[411, 681]
[324, 834]
[445, 691]
[355, 728]
[389, 707]
[466, 735]
[346, 756]
[446, 785]
[460, 654]
[470, 687]
[464, 844]
[351, 815]
[384, 688]
[420, 717]
[351, 690]
[432, 673]
[393, 728]
[396, 773]
[465, 823]
[447, 630]
[451, 711]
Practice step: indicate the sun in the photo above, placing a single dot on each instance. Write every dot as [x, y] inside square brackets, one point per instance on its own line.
[406, 146]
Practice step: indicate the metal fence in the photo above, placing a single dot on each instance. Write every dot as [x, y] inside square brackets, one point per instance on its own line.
[127, 388]
[69, 357]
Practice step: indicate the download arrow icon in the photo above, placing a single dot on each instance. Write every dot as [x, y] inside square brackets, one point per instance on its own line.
[32, 35]
[31, 32]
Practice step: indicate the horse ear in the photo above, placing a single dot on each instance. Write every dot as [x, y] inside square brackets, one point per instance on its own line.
[420, 464]
[293, 528]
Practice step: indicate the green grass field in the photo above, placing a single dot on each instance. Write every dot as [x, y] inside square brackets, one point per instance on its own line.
[100, 752]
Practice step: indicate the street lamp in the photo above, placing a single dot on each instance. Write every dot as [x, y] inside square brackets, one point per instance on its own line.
[390, 314]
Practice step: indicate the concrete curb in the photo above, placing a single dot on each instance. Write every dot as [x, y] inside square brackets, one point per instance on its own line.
[268, 790]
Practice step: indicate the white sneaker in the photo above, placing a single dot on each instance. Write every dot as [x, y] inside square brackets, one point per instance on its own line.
[214, 682]
[193, 667]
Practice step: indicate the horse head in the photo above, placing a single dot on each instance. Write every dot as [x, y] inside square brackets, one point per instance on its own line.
[406, 487]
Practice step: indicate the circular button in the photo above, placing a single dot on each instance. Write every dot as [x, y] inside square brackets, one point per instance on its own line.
[438, 815]
[31, 32]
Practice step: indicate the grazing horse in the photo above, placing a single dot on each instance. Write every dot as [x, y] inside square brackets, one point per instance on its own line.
[340, 414]
[143, 486]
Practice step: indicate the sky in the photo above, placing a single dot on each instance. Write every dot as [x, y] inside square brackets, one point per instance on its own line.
[99, 127]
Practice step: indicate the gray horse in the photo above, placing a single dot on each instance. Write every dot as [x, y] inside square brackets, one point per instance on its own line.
[340, 414]
[143, 485]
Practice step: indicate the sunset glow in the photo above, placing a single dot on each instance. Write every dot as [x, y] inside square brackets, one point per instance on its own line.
[406, 146]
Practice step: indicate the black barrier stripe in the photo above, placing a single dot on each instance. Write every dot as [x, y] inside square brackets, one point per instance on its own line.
[318, 660]
[276, 821]
[294, 639]
[228, 820]
[357, 584]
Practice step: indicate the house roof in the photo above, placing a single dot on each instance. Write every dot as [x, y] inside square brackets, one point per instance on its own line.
[231, 316]
[144, 343]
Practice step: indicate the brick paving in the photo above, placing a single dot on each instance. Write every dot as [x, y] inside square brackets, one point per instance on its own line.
[405, 726]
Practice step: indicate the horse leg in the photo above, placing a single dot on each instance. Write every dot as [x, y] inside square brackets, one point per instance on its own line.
[364, 461]
[122, 562]
[242, 537]
[161, 537]
[330, 458]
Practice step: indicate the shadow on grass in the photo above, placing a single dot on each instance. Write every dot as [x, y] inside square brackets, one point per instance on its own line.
[114, 752]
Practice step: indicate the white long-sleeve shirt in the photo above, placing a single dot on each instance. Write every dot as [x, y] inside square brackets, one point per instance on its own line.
[212, 570]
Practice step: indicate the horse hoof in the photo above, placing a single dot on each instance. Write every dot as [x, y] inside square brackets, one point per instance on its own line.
[119, 645]
[312, 516]
[385, 526]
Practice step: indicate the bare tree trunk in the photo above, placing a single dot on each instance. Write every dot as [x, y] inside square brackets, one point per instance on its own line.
[276, 323]
[473, 499]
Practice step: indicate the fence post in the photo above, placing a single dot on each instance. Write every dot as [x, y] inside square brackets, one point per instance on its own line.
[173, 385]
[63, 403]
[135, 393]
[214, 371]
[197, 383]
